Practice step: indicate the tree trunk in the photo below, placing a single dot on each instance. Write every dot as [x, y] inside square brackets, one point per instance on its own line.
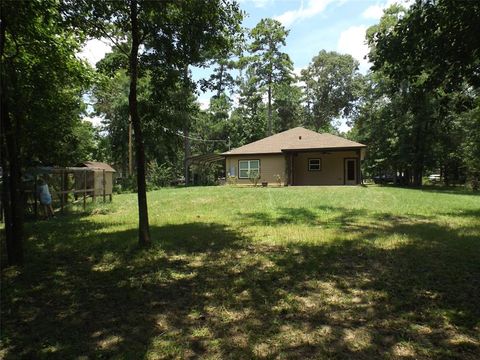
[12, 199]
[12, 192]
[220, 81]
[423, 117]
[143, 229]
[6, 200]
[130, 153]
[186, 131]
[270, 128]
[186, 143]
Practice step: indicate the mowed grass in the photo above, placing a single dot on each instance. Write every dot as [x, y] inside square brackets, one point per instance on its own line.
[253, 273]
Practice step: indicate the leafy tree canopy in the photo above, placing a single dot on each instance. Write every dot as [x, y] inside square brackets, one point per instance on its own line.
[332, 84]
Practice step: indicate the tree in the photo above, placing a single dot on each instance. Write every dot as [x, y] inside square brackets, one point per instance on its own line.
[433, 73]
[446, 57]
[381, 121]
[248, 121]
[470, 147]
[173, 35]
[110, 99]
[331, 88]
[161, 106]
[143, 227]
[222, 80]
[270, 65]
[41, 86]
[287, 106]
[212, 125]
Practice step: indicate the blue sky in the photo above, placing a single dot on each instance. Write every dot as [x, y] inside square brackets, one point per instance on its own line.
[333, 25]
[314, 25]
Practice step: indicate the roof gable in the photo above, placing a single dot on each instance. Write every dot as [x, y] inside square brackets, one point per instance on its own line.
[297, 138]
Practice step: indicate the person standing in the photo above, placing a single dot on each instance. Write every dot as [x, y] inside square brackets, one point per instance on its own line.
[45, 198]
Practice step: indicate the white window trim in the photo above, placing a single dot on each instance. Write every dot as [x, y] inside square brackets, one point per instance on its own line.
[248, 168]
[319, 165]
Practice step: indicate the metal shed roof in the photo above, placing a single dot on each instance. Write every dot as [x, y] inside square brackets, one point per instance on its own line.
[97, 165]
[205, 159]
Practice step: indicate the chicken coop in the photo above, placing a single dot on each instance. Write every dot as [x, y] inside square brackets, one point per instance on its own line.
[69, 185]
[97, 177]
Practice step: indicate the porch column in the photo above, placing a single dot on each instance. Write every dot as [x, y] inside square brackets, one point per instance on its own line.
[292, 170]
[289, 168]
[359, 171]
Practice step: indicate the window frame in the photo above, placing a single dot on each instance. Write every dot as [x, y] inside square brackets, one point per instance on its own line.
[248, 167]
[319, 164]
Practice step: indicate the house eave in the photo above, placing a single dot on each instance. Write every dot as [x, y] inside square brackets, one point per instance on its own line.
[349, 148]
[253, 153]
[283, 151]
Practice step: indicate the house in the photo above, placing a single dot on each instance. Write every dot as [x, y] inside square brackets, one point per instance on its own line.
[298, 157]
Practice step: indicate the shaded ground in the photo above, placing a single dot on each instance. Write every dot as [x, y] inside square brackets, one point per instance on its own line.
[228, 283]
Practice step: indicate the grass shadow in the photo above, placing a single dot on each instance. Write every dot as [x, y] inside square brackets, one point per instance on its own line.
[89, 293]
[205, 290]
[452, 190]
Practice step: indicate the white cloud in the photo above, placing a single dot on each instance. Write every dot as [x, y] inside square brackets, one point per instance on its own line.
[298, 70]
[204, 103]
[373, 12]
[95, 120]
[313, 8]
[341, 124]
[258, 3]
[352, 41]
[94, 50]
[235, 99]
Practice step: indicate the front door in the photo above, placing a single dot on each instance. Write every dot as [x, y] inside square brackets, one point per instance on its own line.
[350, 171]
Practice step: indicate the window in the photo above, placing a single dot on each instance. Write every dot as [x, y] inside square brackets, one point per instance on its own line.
[314, 165]
[248, 168]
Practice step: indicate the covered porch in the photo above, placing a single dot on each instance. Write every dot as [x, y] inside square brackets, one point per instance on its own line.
[323, 166]
[196, 165]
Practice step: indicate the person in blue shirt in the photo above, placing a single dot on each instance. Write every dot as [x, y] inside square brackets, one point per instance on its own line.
[45, 198]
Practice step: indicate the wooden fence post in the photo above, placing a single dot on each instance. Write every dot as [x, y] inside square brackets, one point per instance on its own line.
[84, 190]
[104, 183]
[35, 206]
[94, 178]
[61, 190]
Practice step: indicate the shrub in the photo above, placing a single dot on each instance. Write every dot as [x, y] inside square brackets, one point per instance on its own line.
[206, 174]
[159, 175]
[254, 176]
[125, 185]
[475, 184]
[231, 180]
[278, 179]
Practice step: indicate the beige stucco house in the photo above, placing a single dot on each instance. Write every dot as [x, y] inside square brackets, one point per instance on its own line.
[298, 157]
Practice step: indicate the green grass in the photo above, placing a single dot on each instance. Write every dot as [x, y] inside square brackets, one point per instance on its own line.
[243, 273]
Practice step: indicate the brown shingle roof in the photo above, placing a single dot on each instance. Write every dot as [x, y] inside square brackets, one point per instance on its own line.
[294, 139]
[97, 165]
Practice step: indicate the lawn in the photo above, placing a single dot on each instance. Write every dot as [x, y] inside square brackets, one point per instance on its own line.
[244, 273]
